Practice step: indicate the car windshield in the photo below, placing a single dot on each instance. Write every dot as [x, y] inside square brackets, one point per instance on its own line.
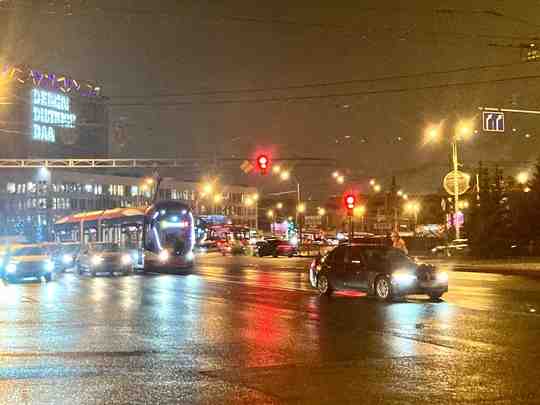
[396, 256]
[107, 248]
[30, 251]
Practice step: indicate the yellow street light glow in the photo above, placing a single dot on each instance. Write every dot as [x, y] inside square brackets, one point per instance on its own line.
[270, 214]
[377, 188]
[335, 175]
[249, 201]
[301, 208]
[149, 181]
[276, 169]
[279, 205]
[359, 211]
[522, 178]
[340, 179]
[433, 133]
[464, 129]
[372, 182]
[527, 189]
[400, 193]
[322, 212]
[290, 219]
[217, 198]
[207, 188]
[405, 196]
[285, 175]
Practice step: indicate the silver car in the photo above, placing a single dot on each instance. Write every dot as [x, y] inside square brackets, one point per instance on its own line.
[108, 258]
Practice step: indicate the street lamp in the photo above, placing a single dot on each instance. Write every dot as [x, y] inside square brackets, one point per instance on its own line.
[321, 211]
[372, 182]
[377, 188]
[335, 175]
[285, 175]
[522, 177]
[279, 205]
[340, 179]
[270, 214]
[276, 169]
[301, 208]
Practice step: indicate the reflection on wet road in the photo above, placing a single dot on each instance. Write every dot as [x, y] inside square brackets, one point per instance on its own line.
[246, 329]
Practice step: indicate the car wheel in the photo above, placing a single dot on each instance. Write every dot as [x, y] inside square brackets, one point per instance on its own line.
[383, 289]
[435, 296]
[323, 285]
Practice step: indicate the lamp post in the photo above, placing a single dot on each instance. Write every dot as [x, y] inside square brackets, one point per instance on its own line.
[462, 130]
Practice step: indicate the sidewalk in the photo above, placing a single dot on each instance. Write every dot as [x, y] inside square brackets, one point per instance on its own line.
[529, 267]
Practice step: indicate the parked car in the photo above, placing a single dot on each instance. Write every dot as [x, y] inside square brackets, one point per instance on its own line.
[27, 261]
[275, 248]
[458, 247]
[104, 258]
[381, 271]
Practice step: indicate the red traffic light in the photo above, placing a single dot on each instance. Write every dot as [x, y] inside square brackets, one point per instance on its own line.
[350, 200]
[263, 162]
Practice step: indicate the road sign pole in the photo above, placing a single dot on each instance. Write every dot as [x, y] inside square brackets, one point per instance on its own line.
[456, 185]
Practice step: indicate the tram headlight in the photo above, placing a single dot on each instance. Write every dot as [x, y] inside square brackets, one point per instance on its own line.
[126, 260]
[96, 260]
[163, 256]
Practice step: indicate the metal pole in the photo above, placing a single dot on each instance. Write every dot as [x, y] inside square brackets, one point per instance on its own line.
[298, 218]
[456, 189]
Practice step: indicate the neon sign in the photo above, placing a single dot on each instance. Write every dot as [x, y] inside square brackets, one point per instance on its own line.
[49, 112]
[49, 81]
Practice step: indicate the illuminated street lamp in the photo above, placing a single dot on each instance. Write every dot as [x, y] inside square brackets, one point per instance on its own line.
[276, 169]
[372, 182]
[207, 188]
[279, 205]
[217, 198]
[377, 188]
[149, 181]
[335, 175]
[248, 202]
[527, 190]
[270, 214]
[340, 179]
[285, 175]
[301, 208]
[321, 211]
[522, 177]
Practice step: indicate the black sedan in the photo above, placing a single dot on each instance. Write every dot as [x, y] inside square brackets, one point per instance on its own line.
[381, 271]
[275, 248]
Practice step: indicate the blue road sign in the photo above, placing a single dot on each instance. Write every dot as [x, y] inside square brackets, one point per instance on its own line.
[493, 121]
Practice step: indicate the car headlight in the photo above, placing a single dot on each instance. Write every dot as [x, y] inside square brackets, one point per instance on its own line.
[126, 260]
[189, 256]
[96, 260]
[163, 255]
[403, 277]
[441, 276]
[49, 266]
[11, 268]
[67, 259]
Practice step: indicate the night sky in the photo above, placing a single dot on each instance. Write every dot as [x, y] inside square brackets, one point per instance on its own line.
[205, 78]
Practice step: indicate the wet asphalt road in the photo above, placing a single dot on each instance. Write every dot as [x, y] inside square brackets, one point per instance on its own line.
[249, 330]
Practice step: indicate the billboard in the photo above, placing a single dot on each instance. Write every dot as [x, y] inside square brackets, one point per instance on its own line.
[51, 116]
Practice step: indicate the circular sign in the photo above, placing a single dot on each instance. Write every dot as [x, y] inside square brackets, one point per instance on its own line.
[463, 182]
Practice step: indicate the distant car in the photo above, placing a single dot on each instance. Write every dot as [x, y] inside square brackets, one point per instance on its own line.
[104, 258]
[458, 247]
[28, 261]
[65, 256]
[381, 271]
[275, 248]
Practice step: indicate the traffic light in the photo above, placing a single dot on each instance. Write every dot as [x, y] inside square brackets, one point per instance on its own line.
[350, 201]
[263, 163]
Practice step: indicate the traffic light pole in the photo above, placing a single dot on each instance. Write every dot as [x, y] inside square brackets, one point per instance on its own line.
[456, 187]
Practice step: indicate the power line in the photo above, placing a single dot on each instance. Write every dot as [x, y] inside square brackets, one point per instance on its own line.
[330, 95]
[325, 84]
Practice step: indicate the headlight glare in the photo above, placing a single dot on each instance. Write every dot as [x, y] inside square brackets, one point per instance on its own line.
[11, 268]
[126, 259]
[96, 260]
[49, 266]
[163, 256]
[189, 256]
[403, 277]
[442, 276]
[67, 259]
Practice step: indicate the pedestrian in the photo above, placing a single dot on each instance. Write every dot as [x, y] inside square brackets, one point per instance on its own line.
[399, 243]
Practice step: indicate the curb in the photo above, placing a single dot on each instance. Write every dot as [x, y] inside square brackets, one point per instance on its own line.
[509, 272]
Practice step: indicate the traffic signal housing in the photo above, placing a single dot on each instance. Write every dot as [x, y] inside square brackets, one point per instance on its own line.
[263, 163]
[350, 202]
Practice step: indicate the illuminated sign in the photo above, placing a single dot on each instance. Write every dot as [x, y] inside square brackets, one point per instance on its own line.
[49, 112]
[49, 81]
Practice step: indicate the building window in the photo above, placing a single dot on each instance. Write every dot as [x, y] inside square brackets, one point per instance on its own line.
[88, 188]
[11, 188]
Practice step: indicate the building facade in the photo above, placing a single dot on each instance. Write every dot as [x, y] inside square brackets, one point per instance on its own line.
[31, 200]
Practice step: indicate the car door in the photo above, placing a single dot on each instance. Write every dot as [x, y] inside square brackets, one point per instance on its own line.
[356, 270]
[336, 265]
